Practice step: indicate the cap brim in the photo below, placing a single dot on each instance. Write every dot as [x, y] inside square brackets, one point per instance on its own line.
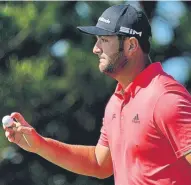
[93, 30]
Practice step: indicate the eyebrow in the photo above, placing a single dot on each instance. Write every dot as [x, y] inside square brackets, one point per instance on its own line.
[100, 36]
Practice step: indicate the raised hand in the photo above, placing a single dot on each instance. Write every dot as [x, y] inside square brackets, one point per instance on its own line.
[23, 134]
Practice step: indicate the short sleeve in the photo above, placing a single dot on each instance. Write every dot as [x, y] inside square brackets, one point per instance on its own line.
[172, 114]
[103, 136]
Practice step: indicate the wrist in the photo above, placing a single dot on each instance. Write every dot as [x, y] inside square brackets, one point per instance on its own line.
[40, 145]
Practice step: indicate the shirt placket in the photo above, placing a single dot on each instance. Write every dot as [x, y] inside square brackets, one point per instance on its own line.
[122, 113]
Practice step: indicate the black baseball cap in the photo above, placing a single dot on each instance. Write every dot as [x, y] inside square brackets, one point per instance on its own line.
[121, 20]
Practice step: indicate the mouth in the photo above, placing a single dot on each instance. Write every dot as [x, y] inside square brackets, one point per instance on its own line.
[100, 57]
[101, 60]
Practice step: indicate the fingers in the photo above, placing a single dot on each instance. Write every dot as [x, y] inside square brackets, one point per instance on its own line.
[10, 135]
[16, 133]
[19, 118]
[14, 125]
[18, 129]
[9, 132]
[25, 130]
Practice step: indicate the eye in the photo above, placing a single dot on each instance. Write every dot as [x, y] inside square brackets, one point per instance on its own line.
[104, 40]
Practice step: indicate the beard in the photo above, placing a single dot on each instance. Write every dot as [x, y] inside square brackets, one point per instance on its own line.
[115, 63]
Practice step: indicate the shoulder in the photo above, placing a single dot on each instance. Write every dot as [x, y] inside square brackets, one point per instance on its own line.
[170, 90]
[166, 86]
[172, 97]
[173, 104]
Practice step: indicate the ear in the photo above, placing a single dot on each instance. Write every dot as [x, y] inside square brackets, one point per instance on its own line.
[132, 45]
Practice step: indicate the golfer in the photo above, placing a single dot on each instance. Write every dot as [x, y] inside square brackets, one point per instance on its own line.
[146, 134]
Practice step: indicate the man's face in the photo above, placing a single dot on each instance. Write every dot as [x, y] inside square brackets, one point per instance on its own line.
[111, 59]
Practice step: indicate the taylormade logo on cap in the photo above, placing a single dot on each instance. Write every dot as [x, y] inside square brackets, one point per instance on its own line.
[102, 19]
[130, 31]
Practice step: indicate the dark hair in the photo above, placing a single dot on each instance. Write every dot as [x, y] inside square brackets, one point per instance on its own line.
[145, 45]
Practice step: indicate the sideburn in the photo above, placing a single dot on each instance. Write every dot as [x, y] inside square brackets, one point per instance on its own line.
[116, 63]
[118, 60]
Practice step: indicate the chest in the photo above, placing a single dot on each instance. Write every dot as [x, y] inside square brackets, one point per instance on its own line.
[130, 126]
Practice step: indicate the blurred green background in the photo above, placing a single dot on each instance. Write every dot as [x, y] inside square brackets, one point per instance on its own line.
[49, 73]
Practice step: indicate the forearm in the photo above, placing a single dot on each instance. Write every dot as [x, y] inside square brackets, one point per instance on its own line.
[76, 158]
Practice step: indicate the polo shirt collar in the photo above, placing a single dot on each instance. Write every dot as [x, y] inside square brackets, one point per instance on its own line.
[142, 80]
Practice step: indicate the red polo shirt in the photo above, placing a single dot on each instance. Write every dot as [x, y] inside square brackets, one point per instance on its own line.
[148, 130]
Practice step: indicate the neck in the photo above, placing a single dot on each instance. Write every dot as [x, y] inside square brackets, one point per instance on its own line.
[132, 70]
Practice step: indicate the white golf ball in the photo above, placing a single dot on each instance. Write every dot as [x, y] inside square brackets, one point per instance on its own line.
[7, 121]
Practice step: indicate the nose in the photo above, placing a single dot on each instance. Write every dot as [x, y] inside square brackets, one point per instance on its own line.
[97, 49]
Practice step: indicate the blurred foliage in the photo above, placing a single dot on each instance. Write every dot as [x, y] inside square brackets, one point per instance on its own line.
[63, 97]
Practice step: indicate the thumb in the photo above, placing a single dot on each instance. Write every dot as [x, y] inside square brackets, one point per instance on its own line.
[19, 118]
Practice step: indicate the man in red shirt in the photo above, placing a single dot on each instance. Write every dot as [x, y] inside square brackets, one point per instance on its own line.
[146, 134]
